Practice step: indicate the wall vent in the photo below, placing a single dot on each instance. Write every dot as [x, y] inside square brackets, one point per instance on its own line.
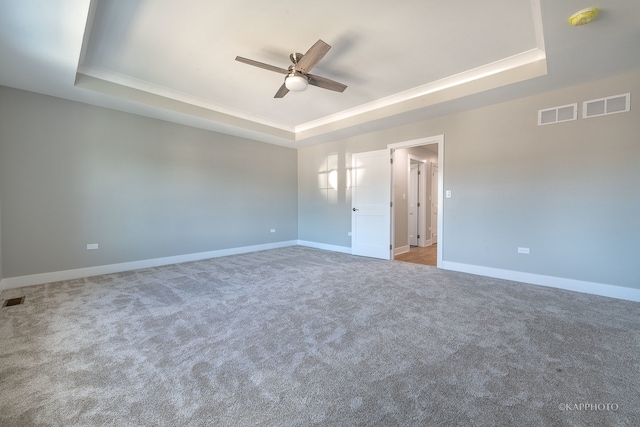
[564, 113]
[604, 106]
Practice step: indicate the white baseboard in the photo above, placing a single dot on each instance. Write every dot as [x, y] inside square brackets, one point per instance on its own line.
[401, 250]
[611, 291]
[334, 248]
[619, 292]
[56, 276]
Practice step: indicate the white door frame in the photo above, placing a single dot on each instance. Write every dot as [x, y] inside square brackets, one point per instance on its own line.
[436, 139]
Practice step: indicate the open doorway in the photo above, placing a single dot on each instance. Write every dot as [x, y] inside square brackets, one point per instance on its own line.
[423, 211]
[416, 187]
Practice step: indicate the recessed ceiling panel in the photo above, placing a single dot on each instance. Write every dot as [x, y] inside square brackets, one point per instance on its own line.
[186, 50]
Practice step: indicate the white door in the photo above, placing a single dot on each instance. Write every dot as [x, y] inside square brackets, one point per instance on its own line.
[422, 212]
[370, 204]
[434, 203]
[414, 187]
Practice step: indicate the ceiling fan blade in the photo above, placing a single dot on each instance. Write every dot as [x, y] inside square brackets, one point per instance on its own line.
[262, 65]
[313, 56]
[282, 91]
[325, 83]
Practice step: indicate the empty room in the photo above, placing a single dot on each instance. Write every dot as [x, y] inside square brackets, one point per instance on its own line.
[291, 214]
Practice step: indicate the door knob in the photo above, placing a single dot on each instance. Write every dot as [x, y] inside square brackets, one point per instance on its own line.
[354, 209]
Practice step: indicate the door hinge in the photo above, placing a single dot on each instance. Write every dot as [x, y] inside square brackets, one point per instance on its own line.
[418, 204]
[418, 236]
[390, 247]
[391, 161]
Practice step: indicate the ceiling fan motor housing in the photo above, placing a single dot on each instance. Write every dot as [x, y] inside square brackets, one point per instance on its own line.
[295, 57]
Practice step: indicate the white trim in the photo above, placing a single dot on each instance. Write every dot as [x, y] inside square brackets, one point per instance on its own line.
[417, 142]
[611, 291]
[440, 228]
[333, 248]
[56, 276]
[439, 213]
[174, 95]
[500, 66]
[435, 139]
[392, 209]
[92, 76]
[401, 250]
[537, 24]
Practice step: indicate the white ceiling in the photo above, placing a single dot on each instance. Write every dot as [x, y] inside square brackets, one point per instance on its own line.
[402, 61]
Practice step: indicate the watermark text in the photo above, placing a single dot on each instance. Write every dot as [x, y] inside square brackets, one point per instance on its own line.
[588, 406]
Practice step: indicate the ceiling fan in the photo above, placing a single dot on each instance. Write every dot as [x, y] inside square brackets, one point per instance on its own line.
[297, 76]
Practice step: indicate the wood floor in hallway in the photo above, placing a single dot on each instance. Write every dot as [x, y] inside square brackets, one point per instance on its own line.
[417, 255]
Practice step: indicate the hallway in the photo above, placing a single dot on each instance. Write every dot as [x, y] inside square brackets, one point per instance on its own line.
[418, 255]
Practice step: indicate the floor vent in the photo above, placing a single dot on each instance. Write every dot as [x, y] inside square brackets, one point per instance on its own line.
[13, 301]
[563, 113]
[605, 106]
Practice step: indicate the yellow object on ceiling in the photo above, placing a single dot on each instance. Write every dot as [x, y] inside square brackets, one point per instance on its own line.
[583, 16]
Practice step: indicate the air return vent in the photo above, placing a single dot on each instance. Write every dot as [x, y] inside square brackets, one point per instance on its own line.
[604, 106]
[563, 113]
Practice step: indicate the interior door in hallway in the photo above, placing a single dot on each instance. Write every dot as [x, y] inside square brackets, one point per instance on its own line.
[414, 196]
[434, 203]
[371, 204]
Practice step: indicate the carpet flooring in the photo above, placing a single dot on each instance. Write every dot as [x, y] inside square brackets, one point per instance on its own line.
[300, 337]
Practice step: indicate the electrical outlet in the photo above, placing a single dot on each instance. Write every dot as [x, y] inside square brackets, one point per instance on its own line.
[448, 194]
[349, 233]
[523, 251]
[273, 230]
[92, 246]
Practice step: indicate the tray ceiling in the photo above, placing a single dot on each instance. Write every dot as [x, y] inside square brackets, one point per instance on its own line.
[175, 60]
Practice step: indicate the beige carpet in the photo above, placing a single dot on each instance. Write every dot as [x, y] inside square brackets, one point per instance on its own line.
[299, 336]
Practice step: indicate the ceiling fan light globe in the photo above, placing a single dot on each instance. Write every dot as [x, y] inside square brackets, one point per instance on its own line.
[296, 83]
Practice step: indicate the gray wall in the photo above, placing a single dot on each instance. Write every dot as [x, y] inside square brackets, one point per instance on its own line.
[72, 174]
[567, 191]
[1, 274]
[322, 206]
